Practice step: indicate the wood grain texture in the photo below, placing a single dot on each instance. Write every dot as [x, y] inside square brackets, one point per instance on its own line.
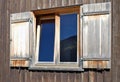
[107, 73]
[8, 74]
[78, 2]
[96, 35]
[59, 3]
[94, 1]
[28, 5]
[116, 41]
[2, 37]
[100, 76]
[85, 76]
[21, 38]
[65, 2]
[71, 2]
[22, 4]
[92, 76]
[46, 4]
[53, 3]
[33, 4]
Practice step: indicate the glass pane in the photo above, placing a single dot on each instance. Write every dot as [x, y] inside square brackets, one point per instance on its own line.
[46, 47]
[68, 38]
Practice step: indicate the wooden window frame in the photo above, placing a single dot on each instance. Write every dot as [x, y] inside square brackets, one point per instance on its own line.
[38, 41]
[57, 65]
[47, 15]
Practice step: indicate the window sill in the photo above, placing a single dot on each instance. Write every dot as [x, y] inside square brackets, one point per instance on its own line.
[56, 68]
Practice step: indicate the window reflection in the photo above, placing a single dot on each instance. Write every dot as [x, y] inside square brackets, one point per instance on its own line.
[68, 38]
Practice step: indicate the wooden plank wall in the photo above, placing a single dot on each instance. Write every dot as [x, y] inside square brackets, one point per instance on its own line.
[8, 74]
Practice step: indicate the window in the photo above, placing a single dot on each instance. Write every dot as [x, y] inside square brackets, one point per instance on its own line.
[72, 38]
[46, 42]
[57, 39]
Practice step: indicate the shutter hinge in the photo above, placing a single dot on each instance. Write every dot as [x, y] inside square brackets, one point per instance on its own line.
[30, 20]
[10, 40]
[30, 58]
[81, 16]
[81, 61]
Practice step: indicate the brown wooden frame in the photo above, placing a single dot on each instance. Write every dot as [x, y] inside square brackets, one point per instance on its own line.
[45, 15]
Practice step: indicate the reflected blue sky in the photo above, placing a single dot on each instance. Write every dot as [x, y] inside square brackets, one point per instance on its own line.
[68, 29]
[68, 24]
[46, 48]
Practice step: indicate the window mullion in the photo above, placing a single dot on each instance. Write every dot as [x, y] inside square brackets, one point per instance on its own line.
[38, 41]
[78, 38]
[57, 39]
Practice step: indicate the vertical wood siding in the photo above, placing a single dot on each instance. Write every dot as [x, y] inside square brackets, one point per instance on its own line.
[116, 41]
[8, 74]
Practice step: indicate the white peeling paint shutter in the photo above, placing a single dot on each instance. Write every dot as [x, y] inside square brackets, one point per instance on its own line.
[22, 38]
[96, 34]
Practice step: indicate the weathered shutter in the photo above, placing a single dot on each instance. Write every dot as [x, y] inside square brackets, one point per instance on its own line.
[22, 38]
[96, 35]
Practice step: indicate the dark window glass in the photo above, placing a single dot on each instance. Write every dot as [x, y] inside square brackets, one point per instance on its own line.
[46, 47]
[68, 38]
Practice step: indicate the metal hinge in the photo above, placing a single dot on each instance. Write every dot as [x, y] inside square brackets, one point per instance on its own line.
[81, 62]
[30, 58]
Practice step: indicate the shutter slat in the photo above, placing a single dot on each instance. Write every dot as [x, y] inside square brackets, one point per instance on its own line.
[96, 8]
[104, 37]
[96, 35]
[20, 34]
